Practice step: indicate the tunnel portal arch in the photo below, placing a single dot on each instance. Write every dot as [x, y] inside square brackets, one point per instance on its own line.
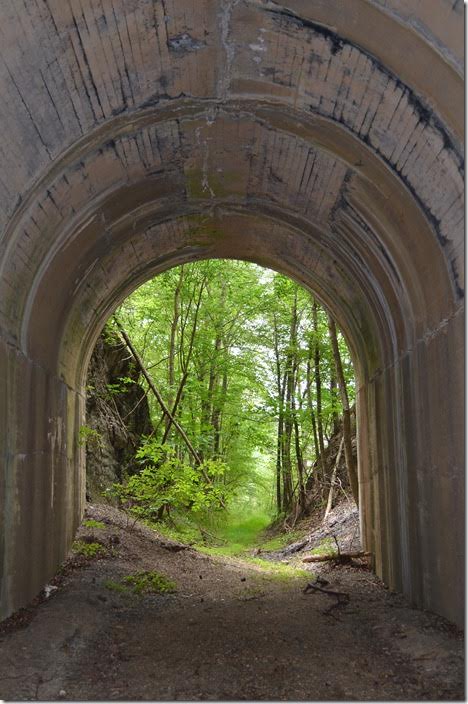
[138, 136]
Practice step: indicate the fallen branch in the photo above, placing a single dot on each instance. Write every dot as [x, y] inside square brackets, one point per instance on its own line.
[342, 598]
[342, 557]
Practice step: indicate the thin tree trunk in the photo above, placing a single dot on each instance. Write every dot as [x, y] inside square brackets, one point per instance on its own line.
[172, 338]
[291, 362]
[300, 464]
[333, 396]
[318, 381]
[186, 363]
[280, 388]
[348, 448]
[333, 479]
[318, 457]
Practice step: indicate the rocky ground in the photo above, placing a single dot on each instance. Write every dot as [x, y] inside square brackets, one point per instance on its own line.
[232, 630]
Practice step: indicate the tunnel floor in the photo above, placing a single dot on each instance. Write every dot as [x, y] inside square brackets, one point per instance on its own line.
[230, 631]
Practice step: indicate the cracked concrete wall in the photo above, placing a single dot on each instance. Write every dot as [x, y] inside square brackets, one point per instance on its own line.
[321, 138]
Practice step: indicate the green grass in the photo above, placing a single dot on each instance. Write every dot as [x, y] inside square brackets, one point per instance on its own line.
[244, 533]
[278, 571]
[142, 583]
[326, 547]
[230, 538]
[280, 541]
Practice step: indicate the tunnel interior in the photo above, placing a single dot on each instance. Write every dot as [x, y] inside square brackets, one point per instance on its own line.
[292, 136]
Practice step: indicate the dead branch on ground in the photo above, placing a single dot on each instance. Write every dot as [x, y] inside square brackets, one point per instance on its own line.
[342, 557]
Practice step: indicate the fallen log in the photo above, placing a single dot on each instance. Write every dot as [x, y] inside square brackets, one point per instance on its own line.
[341, 557]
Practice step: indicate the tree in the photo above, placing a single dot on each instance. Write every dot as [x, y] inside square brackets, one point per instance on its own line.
[347, 436]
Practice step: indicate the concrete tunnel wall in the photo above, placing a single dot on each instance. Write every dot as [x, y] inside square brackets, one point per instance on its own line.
[320, 138]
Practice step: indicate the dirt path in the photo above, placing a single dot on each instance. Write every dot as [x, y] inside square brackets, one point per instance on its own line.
[230, 632]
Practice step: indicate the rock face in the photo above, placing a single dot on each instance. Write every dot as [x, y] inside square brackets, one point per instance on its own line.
[117, 416]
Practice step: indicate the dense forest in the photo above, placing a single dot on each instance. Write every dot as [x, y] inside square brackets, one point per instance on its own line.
[247, 379]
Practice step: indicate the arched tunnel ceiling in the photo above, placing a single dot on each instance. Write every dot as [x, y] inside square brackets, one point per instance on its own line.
[149, 113]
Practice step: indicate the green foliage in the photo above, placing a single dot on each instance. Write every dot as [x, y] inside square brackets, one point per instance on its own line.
[91, 523]
[89, 436]
[90, 550]
[166, 480]
[121, 386]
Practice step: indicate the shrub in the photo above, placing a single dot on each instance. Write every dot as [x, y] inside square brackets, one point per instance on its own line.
[166, 480]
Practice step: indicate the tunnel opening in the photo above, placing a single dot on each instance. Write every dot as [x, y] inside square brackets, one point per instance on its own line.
[220, 400]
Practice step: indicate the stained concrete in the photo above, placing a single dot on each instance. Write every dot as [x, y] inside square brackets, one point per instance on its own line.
[322, 139]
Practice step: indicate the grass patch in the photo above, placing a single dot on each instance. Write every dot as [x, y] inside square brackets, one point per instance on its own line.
[142, 583]
[149, 583]
[279, 571]
[80, 547]
[243, 535]
[115, 586]
[279, 541]
[326, 547]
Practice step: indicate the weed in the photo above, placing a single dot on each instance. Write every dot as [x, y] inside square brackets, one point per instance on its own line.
[89, 437]
[149, 582]
[91, 523]
[115, 586]
[80, 547]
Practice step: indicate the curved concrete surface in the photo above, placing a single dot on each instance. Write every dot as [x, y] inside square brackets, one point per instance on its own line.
[320, 138]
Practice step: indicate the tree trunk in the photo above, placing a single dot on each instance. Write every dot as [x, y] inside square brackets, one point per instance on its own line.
[280, 388]
[333, 479]
[318, 457]
[300, 464]
[172, 339]
[348, 448]
[318, 380]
